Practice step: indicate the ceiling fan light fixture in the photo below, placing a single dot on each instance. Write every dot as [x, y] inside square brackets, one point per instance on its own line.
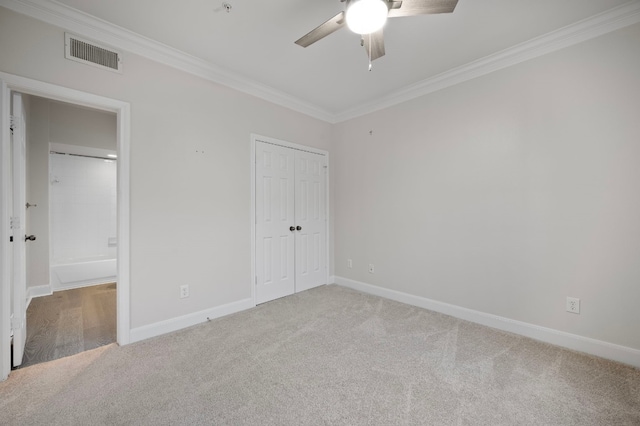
[366, 16]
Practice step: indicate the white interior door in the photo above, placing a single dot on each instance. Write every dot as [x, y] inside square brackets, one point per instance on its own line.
[291, 236]
[310, 201]
[275, 269]
[18, 147]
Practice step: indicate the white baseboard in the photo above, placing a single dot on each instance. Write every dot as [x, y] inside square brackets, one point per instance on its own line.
[332, 279]
[57, 286]
[38, 291]
[574, 342]
[174, 324]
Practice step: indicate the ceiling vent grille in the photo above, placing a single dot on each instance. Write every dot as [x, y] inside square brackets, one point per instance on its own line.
[90, 53]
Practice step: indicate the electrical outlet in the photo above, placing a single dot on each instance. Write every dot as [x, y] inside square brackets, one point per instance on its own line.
[349, 263]
[184, 291]
[371, 268]
[573, 305]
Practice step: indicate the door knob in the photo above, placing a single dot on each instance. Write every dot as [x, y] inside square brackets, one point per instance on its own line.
[29, 237]
[299, 228]
[292, 228]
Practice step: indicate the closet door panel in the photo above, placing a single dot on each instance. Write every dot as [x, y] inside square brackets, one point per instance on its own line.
[310, 211]
[275, 215]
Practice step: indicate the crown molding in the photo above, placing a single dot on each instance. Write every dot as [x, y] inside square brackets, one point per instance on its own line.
[86, 25]
[597, 25]
[83, 24]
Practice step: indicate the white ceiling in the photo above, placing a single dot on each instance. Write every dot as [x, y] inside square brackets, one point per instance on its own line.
[255, 41]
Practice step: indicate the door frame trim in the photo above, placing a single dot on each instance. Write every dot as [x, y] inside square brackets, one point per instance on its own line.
[259, 138]
[8, 83]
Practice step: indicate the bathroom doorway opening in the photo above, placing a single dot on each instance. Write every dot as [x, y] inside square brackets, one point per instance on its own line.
[16, 296]
[71, 166]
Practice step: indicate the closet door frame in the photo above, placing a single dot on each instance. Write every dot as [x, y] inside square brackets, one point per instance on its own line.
[259, 138]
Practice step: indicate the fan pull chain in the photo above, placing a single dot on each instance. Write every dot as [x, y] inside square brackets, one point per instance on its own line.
[370, 66]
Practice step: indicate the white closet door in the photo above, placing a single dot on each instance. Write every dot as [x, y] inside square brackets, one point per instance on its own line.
[310, 201]
[275, 269]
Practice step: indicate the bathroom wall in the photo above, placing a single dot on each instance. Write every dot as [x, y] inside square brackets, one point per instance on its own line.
[57, 122]
[83, 208]
[37, 188]
[74, 125]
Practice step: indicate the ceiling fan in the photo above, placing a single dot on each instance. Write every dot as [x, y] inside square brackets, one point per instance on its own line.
[367, 17]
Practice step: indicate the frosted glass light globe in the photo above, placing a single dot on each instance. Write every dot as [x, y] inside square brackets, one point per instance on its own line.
[366, 16]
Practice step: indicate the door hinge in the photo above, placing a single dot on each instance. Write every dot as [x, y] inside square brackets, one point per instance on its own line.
[14, 222]
[14, 122]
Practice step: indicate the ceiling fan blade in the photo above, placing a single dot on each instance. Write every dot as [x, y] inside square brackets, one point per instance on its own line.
[377, 44]
[422, 7]
[332, 25]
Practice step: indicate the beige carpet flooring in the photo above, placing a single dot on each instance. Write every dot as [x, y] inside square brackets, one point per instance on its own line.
[328, 356]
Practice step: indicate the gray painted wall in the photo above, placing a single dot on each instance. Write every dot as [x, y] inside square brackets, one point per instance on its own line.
[507, 193]
[189, 211]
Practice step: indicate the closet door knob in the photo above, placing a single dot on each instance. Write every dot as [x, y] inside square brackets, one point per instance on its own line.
[299, 228]
[292, 228]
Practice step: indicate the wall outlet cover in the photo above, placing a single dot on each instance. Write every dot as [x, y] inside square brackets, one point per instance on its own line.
[573, 305]
[184, 291]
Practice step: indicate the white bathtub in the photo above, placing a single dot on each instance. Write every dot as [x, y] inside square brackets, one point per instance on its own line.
[83, 273]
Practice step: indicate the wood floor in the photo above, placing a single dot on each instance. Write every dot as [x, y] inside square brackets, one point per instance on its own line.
[69, 322]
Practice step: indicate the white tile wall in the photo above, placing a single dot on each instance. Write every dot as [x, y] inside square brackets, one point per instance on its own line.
[83, 208]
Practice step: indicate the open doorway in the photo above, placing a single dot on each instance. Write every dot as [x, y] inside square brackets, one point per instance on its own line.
[14, 297]
[71, 193]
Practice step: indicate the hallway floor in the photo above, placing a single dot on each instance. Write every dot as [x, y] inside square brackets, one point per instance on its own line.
[69, 322]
